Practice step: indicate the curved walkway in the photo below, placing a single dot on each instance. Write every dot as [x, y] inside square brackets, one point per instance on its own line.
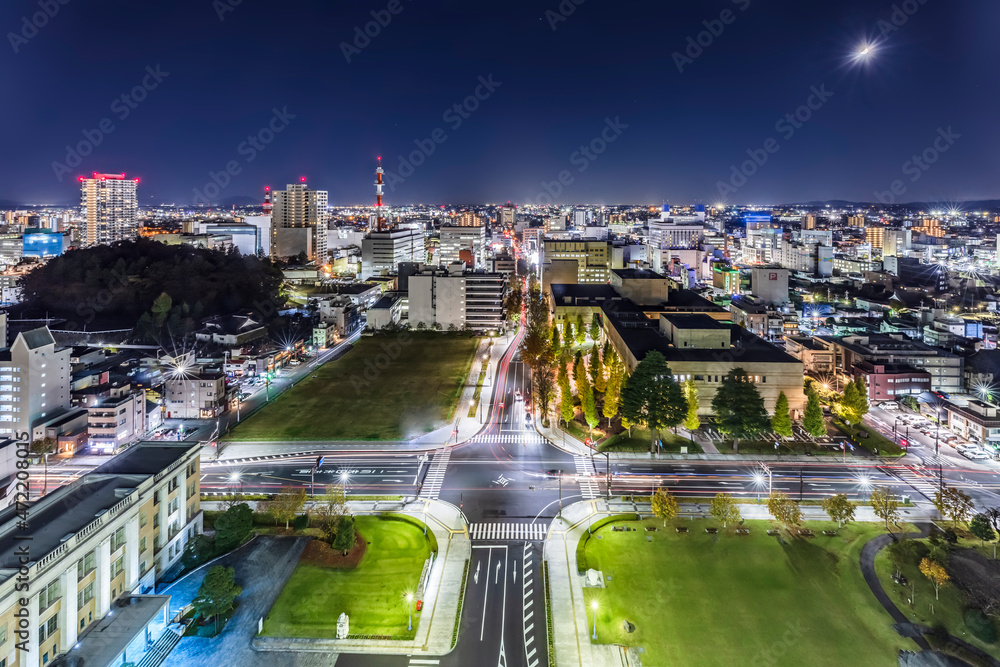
[868, 553]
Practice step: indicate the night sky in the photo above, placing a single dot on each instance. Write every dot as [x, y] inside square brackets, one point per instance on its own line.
[607, 67]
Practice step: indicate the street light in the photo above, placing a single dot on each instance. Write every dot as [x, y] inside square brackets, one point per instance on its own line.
[409, 611]
[593, 605]
[236, 478]
[344, 477]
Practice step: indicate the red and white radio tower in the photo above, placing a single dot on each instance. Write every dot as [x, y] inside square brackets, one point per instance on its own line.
[267, 200]
[379, 218]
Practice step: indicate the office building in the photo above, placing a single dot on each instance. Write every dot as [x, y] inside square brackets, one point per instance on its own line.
[108, 536]
[34, 384]
[110, 207]
[591, 259]
[463, 244]
[298, 222]
[508, 215]
[897, 242]
[453, 298]
[770, 285]
[381, 252]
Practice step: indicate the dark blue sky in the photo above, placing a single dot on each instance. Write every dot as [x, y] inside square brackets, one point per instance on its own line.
[607, 60]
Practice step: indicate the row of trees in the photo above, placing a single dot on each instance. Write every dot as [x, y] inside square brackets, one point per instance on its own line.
[725, 509]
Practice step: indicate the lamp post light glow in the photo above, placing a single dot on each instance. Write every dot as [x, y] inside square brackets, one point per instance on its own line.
[409, 611]
[593, 605]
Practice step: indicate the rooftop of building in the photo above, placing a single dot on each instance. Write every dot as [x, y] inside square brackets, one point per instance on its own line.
[642, 336]
[877, 343]
[104, 642]
[693, 321]
[637, 274]
[386, 302]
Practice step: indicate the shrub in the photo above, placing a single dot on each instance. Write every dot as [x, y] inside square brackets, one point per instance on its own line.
[301, 522]
[980, 626]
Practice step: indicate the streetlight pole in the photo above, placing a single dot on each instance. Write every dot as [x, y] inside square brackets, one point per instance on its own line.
[409, 612]
[593, 605]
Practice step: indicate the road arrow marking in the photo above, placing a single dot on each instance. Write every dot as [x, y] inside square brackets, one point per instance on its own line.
[515, 572]
[475, 577]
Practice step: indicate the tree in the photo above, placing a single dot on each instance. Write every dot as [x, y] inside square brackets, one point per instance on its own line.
[595, 328]
[739, 407]
[543, 382]
[651, 396]
[198, 550]
[725, 510]
[588, 405]
[934, 571]
[839, 508]
[692, 422]
[556, 341]
[597, 371]
[902, 553]
[664, 505]
[781, 422]
[565, 395]
[886, 507]
[233, 526]
[217, 593]
[568, 336]
[331, 506]
[954, 504]
[42, 449]
[344, 538]
[861, 406]
[613, 390]
[980, 527]
[813, 421]
[784, 509]
[288, 503]
[848, 402]
[161, 309]
[581, 333]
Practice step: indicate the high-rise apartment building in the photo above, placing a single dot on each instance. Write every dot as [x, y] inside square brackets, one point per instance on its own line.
[469, 219]
[809, 222]
[508, 215]
[453, 298]
[110, 207]
[875, 235]
[896, 242]
[34, 383]
[930, 227]
[856, 220]
[298, 222]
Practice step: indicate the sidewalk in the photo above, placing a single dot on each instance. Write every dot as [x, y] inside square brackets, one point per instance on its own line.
[570, 624]
[441, 600]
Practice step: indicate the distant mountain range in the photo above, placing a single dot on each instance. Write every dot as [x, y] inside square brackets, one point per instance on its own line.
[975, 205]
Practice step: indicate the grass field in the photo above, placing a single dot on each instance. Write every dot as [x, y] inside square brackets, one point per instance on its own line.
[353, 399]
[700, 599]
[372, 595]
[640, 441]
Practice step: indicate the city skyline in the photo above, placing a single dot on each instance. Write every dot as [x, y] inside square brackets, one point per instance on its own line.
[498, 107]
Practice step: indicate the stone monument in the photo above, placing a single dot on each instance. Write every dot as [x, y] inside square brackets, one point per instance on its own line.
[342, 626]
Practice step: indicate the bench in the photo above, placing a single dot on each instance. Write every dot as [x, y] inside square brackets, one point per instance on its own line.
[742, 531]
[773, 531]
[829, 533]
[805, 532]
[711, 531]
[651, 529]
[681, 529]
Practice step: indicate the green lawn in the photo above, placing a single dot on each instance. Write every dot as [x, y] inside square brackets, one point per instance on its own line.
[372, 595]
[700, 599]
[946, 611]
[640, 441]
[352, 399]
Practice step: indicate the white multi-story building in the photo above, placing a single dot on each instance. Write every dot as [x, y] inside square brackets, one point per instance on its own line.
[667, 234]
[111, 208]
[455, 239]
[117, 420]
[381, 252]
[298, 223]
[34, 383]
[109, 535]
[195, 394]
[455, 299]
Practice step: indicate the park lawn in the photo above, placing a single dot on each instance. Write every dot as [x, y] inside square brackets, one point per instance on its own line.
[700, 599]
[641, 439]
[946, 611]
[372, 595]
[350, 399]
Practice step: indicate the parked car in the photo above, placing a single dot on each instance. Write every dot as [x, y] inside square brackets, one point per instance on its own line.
[976, 454]
[889, 405]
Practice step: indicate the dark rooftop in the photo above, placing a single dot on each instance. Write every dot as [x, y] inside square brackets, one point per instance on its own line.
[637, 274]
[693, 321]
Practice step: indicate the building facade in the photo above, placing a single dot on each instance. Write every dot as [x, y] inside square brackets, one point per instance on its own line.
[298, 222]
[110, 207]
[382, 252]
[34, 383]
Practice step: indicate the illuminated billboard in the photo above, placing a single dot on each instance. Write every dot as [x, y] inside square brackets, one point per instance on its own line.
[42, 244]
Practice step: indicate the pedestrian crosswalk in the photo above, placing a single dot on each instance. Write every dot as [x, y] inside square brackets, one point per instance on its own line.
[504, 531]
[528, 625]
[526, 437]
[585, 475]
[435, 474]
[924, 485]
